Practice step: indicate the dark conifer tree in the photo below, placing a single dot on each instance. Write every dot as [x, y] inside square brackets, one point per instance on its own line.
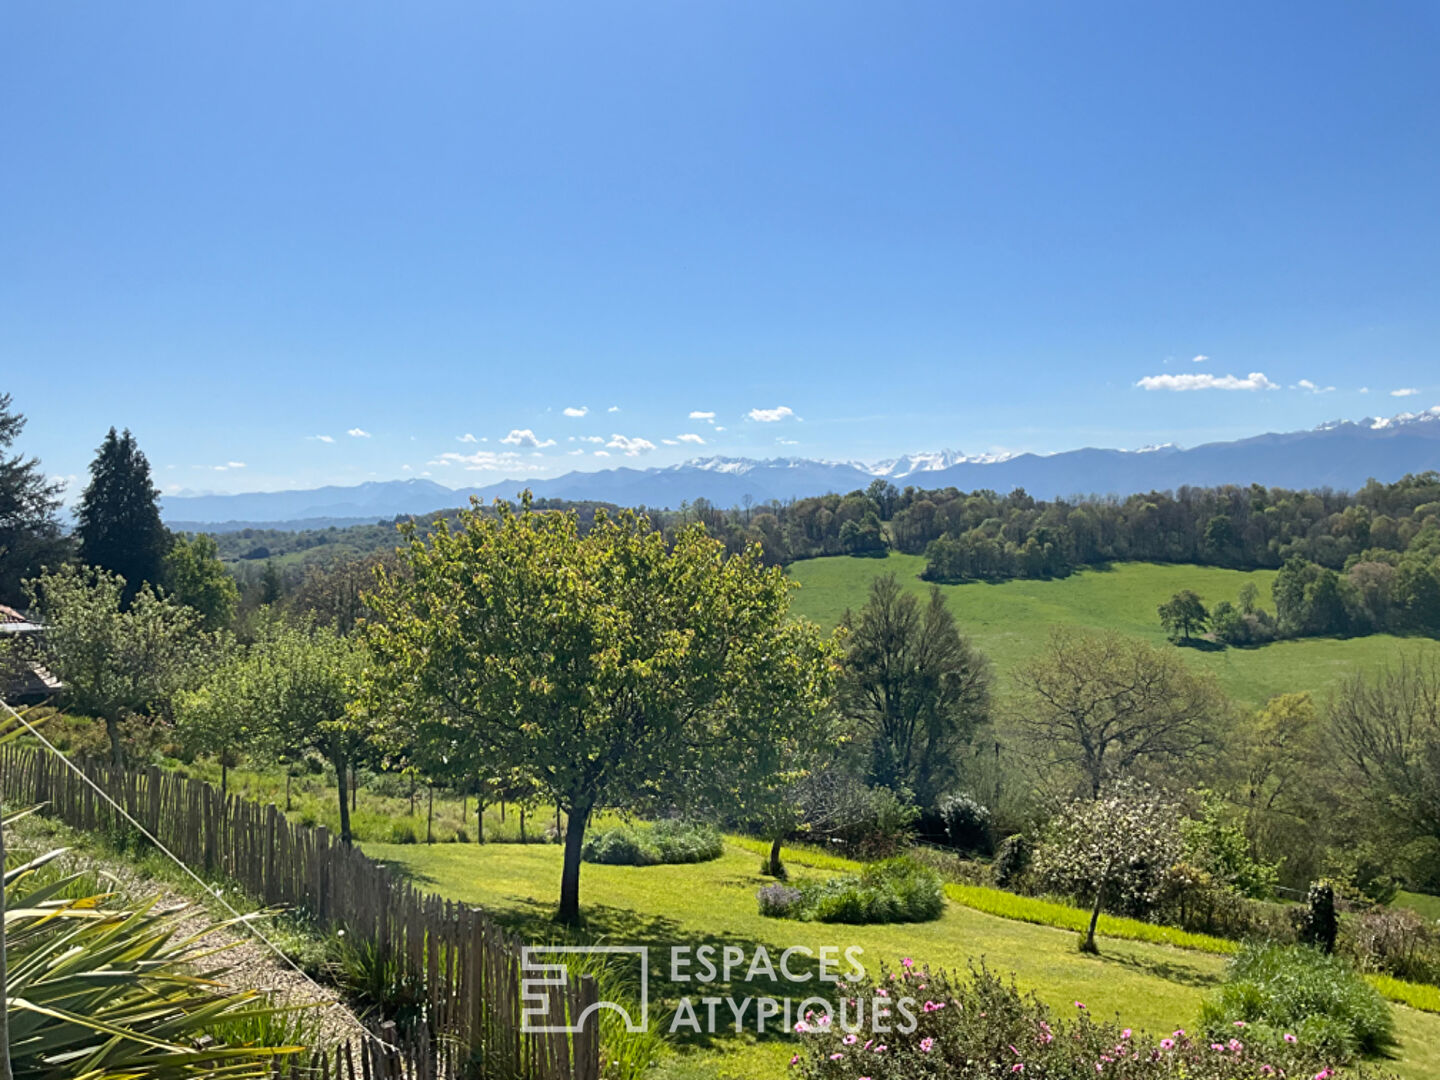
[30, 535]
[119, 517]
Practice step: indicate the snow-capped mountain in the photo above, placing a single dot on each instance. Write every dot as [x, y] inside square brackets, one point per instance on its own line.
[1343, 455]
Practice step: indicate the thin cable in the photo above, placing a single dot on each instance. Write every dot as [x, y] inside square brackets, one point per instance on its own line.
[243, 919]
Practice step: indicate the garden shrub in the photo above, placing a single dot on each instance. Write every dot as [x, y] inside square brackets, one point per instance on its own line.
[967, 822]
[1318, 924]
[983, 1027]
[653, 845]
[1012, 860]
[1393, 941]
[1275, 990]
[891, 891]
[780, 901]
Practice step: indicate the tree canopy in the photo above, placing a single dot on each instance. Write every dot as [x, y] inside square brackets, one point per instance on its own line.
[118, 519]
[610, 667]
[30, 535]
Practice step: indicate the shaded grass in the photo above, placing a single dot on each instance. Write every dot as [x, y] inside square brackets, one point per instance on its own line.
[1010, 621]
[1427, 906]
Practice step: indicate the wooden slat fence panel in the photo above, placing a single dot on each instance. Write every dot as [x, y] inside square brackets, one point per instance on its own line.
[469, 966]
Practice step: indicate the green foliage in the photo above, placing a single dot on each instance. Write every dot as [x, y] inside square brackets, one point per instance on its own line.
[1012, 860]
[606, 667]
[1301, 991]
[983, 1026]
[1183, 614]
[654, 845]
[967, 822]
[110, 994]
[916, 688]
[115, 659]
[30, 533]
[194, 575]
[898, 890]
[1217, 844]
[118, 518]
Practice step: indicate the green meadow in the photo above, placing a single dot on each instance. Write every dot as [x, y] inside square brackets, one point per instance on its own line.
[1009, 621]
[1150, 986]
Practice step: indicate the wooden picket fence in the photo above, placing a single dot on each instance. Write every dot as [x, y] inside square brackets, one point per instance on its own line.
[470, 967]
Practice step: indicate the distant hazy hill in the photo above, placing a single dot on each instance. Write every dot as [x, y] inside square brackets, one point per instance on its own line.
[1341, 455]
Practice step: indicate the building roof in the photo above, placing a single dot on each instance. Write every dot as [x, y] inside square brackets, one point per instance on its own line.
[13, 622]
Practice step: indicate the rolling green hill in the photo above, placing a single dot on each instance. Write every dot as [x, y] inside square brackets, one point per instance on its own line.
[1010, 620]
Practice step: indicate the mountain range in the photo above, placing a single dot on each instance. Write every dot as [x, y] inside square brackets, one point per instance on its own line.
[1342, 455]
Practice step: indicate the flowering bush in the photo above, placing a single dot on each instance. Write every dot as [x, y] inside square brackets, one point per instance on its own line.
[967, 822]
[1123, 843]
[780, 901]
[982, 1027]
[1301, 990]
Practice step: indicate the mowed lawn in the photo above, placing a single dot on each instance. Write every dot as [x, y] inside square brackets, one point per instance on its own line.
[1153, 987]
[1010, 621]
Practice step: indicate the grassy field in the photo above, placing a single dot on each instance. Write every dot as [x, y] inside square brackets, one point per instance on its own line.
[1009, 621]
[1150, 986]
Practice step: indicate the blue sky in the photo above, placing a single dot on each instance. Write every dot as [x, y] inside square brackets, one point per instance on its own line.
[847, 230]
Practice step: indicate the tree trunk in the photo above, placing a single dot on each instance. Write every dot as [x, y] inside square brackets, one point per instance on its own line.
[502, 811]
[1088, 945]
[224, 775]
[354, 790]
[112, 728]
[289, 776]
[341, 776]
[777, 868]
[480, 820]
[430, 818]
[522, 823]
[569, 912]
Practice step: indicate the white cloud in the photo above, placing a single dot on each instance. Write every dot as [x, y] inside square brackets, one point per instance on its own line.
[467, 438]
[719, 428]
[321, 438]
[602, 453]
[1306, 384]
[404, 468]
[572, 453]
[235, 464]
[592, 438]
[691, 437]
[769, 416]
[613, 408]
[358, 433]
[1364, 389]
[630, 447]
[1254, 381]
[788, 442]
[525, 437]
[571, 410]
[669, 442]
[1406, 391]
[1200, 359]
[698, 415]
[480, 461]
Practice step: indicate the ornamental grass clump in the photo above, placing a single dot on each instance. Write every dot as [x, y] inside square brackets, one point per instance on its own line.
[891, 891]
[1301, 992]
[663, 843]
[983, 1027]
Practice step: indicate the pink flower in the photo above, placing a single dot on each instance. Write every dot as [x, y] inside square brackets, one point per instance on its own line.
[836, 1057]
[1290, 1038]
[1125, 1034]
[1166, 1044]
[795, 1061]
[1079, 1004]
[1018, 1068]
[1240, 1023]
[880, 1049]
[907, 962]
[927, 1044]
[851, 1039]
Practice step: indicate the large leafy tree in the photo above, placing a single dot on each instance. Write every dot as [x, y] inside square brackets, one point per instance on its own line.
[290, 691]
[115, 660]
[118, 520]
[30, 533]
[916, 688]
[199, 580]
[1182, 615]
[1106, 705]
[612, 667]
